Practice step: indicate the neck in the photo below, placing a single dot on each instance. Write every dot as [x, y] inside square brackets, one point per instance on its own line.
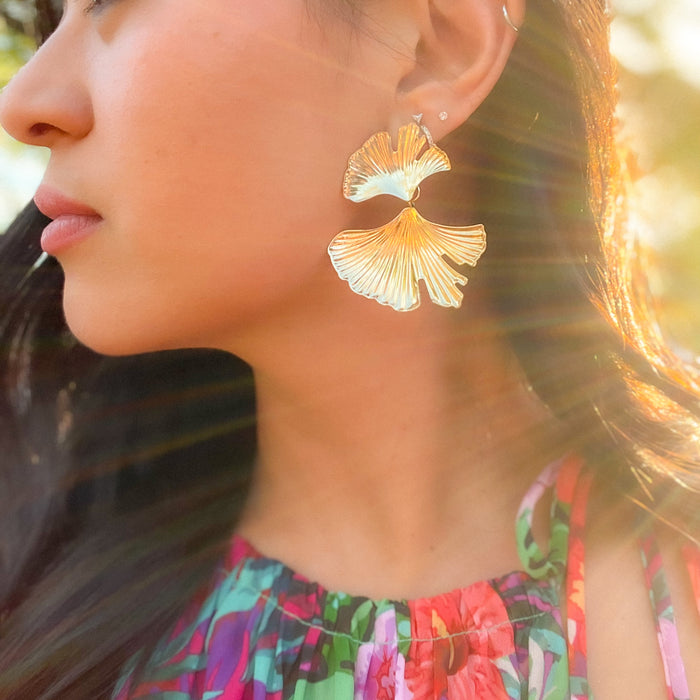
[411, 426]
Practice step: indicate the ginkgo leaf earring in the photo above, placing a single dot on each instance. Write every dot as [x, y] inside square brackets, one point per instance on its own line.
[386, 263]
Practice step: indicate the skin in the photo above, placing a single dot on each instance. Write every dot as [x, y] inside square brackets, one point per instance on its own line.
[237, 140]
[216, 165]
[216, 162]
[119, 81]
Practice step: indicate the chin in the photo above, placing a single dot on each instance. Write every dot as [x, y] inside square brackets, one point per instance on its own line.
[108, 332]
[109, 343]
[115, 330]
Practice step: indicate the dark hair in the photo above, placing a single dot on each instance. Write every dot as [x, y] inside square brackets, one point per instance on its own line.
[122, 477]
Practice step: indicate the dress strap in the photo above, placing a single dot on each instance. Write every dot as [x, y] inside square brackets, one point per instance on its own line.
[578, 491]
[562, 474]
[565, 560]
[666, 629]
[691, 554]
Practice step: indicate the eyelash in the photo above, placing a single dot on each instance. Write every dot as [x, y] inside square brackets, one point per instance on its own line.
[94, 5]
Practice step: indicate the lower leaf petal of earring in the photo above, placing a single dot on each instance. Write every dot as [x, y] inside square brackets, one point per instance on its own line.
[386, 263]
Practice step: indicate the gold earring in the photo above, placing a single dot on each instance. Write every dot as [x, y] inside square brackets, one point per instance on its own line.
[386, 263]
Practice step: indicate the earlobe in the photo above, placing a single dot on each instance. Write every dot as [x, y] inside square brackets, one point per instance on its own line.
[463, 48]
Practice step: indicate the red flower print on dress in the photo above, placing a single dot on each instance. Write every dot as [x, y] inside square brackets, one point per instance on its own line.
[457, 638]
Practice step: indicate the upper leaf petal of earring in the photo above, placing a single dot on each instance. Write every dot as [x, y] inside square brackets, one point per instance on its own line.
[377, 169]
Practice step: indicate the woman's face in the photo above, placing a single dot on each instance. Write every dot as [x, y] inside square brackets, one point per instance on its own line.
[211, 138]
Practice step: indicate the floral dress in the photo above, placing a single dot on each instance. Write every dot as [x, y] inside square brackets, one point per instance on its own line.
[263, 632]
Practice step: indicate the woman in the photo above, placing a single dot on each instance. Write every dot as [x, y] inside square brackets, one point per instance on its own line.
[196, 182]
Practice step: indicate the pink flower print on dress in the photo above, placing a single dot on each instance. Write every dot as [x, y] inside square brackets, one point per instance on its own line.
[380, 667]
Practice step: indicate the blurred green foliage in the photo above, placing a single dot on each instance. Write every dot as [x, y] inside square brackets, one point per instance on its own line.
[15, 50]
[657, 44]
[34, 19]
[669, 195]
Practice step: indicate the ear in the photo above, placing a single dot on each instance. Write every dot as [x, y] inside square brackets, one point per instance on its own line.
[462, 49]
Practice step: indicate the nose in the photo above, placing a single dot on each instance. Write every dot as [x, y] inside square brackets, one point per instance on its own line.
[47, 101]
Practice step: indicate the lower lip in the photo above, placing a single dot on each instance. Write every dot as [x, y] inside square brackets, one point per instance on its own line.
[66, 231]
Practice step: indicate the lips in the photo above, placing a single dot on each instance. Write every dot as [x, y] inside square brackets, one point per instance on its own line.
[72, 222]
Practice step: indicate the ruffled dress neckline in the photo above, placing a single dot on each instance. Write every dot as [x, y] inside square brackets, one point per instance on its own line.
[263, 631]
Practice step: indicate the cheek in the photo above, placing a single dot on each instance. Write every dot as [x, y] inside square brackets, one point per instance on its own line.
[222, 161]
[228, 149]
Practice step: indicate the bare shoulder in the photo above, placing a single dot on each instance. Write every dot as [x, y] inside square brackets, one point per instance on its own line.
[623, 651]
